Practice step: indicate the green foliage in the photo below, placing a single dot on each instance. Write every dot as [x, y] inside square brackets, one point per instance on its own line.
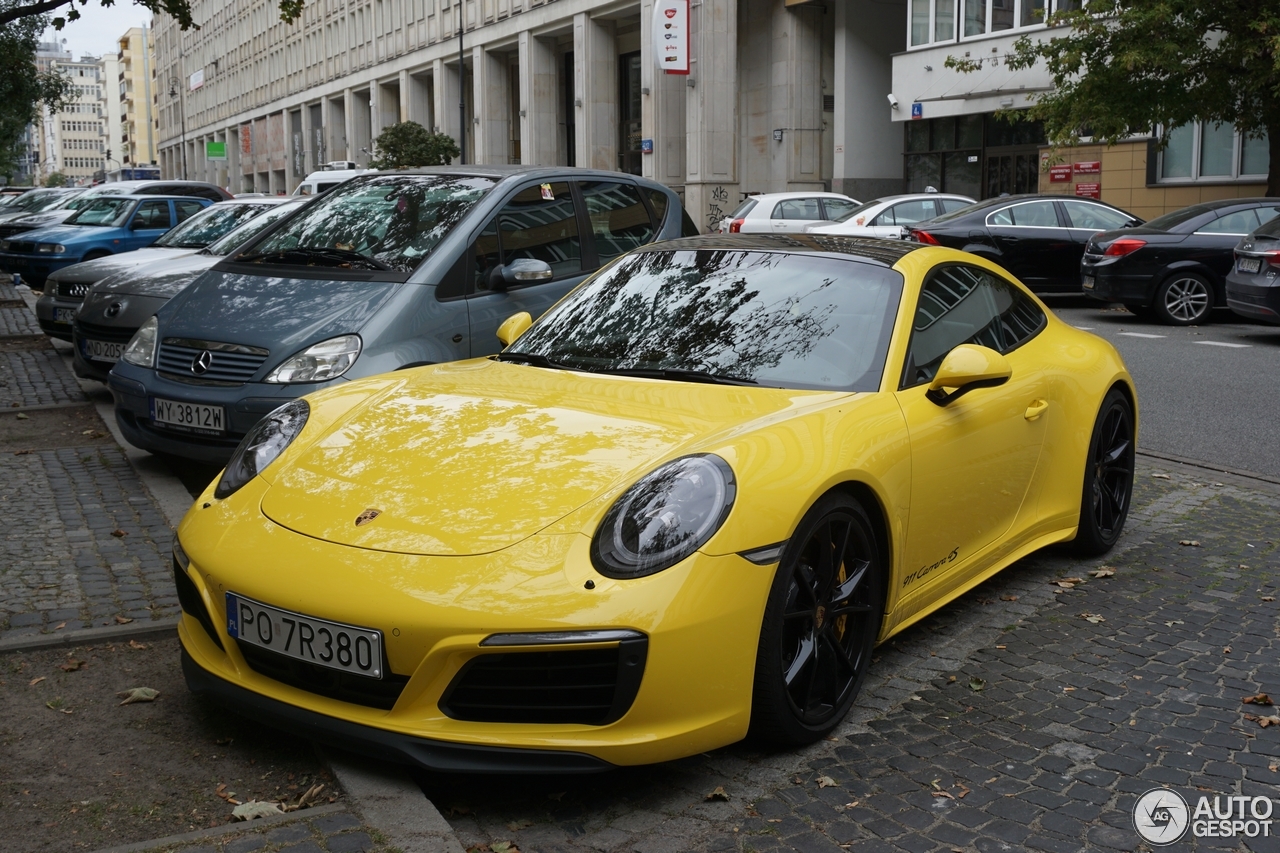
[1125, 66]
[409, 144]
[179, 10]
[55, 179]
[23, 88]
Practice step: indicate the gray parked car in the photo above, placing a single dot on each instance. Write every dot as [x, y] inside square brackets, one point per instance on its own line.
[65, 289]
[118, 304]
[388, 271]
[77, 198]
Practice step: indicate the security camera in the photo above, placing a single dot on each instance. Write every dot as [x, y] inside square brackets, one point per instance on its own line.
[893, 102]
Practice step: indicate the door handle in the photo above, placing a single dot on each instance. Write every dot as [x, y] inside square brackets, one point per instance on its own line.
[1036, 409]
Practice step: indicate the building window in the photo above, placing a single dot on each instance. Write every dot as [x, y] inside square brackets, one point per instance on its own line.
[933, 21]
[1213, 153]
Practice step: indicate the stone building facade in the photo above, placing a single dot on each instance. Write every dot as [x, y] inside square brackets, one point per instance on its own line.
[781, 95]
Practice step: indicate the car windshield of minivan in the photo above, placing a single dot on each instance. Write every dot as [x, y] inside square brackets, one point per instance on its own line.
[248, 230]
[724, 317]
[381, 222]
[104, 212]
[208, 225]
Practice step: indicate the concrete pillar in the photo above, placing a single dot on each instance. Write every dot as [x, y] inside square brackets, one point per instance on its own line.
[403, 112]
[662, 111]
[868, 144]
[797, 96]
[595, 59]
[446, 80]
[537, 101]
[349, 125]
[308, 146]
[492, 99]
[418, 100]
[711, 114]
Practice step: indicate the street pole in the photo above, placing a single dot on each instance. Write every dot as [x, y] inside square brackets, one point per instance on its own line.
[175, 91]
[462, 95]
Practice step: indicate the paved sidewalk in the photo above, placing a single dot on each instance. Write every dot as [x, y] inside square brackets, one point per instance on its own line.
[332, 829]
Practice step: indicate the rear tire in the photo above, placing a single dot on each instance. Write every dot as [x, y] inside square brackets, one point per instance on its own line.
[1183, 299]
[1108, 478]
[820, 625]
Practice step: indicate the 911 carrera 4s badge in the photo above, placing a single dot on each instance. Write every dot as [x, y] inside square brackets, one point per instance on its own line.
[367, 516]
[925, 570]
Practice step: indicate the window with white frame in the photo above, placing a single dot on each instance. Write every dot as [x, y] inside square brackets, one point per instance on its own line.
[1213, 153]
[934, 21]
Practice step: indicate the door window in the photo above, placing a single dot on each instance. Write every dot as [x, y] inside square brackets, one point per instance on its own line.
[619, 220]
[950, 204]
[837, 208]
[797, 208]
[153, 214]
[1240, 222]
[1033, 214]
[188, 209]
[539, 223]
[1094, 216]
[966, 305]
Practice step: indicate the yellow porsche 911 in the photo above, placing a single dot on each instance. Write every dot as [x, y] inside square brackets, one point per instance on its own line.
[680, 508]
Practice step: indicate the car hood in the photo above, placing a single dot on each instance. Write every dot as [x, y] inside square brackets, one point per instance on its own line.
[100, 268]
[163, 277]
[70, 234]
[472, 457]
[41, 220]
[273, 312]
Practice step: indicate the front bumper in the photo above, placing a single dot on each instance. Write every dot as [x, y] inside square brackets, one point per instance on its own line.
[701, 619]
[244, 405]
[1255, 301]
[34, 269]
[48, 307]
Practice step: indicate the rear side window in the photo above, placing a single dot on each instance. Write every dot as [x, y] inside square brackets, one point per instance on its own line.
[1033, 214]
[687, 228]
[743, 209]
[838, 208]
[950, 204]
[187, 209]
[960, 304]
[658, 201]
[1094, 216]
[153, 214]
[540, 223]
[1240, 222]
[619, 220]
[797, 208]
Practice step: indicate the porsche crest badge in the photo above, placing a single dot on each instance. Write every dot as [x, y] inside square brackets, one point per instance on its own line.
[367, 516]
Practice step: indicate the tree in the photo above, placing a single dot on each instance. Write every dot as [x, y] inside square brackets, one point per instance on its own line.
[1130, 65]
[179, 10]
[55, 179]
[23, 87]
[409, 144]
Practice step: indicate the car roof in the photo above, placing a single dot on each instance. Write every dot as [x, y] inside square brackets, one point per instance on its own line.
[504, 172]
[788, 195]
[882, 252]
[904, 196]
[1218, 204]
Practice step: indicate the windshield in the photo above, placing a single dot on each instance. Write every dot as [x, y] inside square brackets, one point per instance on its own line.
[103, 212]
[89, 196]
[38, 200]
[208, 225]
[252, 228]
[859, 209]
[1170, 221]
[767, 318]
[386, 222]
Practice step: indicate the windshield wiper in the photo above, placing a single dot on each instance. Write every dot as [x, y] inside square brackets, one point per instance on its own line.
[335, 257]
[533, 359]
[679, 374]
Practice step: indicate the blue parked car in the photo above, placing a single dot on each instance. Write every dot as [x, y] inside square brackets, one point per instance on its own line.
[107, 226]
[384, 272]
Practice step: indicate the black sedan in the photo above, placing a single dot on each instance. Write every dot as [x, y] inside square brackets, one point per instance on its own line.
[1175, 266]
[1253, 285]
[1037, 238]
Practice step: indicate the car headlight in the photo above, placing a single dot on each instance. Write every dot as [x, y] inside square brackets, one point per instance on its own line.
[51, 249]
[141, 349]
[264, 443]
[319, 362]
[667, 515]
[4, 245]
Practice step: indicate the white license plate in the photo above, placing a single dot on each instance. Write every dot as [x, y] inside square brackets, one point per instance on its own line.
[1249, 265]
[1087, 282]
[102, 350]
[192, 416]
[63, 315]
[329, 644]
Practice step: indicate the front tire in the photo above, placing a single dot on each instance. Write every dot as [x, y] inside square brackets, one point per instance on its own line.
[1108, 478]
[1183, 299]
[820, 625]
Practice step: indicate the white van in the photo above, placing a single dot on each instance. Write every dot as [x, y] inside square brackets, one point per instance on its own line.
[319, 183]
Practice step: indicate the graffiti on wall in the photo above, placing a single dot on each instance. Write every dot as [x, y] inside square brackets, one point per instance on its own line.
[719, 196]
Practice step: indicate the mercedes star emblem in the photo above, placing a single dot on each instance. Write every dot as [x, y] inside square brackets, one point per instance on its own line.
[201, 363]
[367, 516]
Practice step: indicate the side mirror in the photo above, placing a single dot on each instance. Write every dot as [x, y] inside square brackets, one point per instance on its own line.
[515, 325]
[137, 224]
[965, 368]
[524, 270]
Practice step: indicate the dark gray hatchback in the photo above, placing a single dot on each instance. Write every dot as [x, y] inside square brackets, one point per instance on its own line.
[388, 271]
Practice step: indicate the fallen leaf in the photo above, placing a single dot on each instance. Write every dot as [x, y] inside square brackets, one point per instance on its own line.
[59, 626]
[458, 809]
[992, 779]
[1002, 647]
[123, 620]
[1068, 690]
[935, 784]
[119, 534]
[22, 417]
[71, 665]
[134, 644]
[964, 791]
[517, 825]
[1161, 476]
[1008, 598]
[1257, 699]
[942, 794]
[33, 682]
[503, 847]
[1104, 572]
[1174, 622]
[951, 680]
[138, 694]
[557, 796]
[226, 741]
[1226, 650]
[826, 782]
[976, 683]
[717, 795]
[254, 809]
[1273, 767]
[1268, 598]
[1093, 618]
[1268, 721]
[852, 804]
[1195, 543]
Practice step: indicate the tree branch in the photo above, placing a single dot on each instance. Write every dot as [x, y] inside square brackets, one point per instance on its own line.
[16, 12]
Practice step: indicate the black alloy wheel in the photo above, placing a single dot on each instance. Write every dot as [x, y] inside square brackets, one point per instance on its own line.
[820, 625]
[1108, 478]
[1183, 299]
